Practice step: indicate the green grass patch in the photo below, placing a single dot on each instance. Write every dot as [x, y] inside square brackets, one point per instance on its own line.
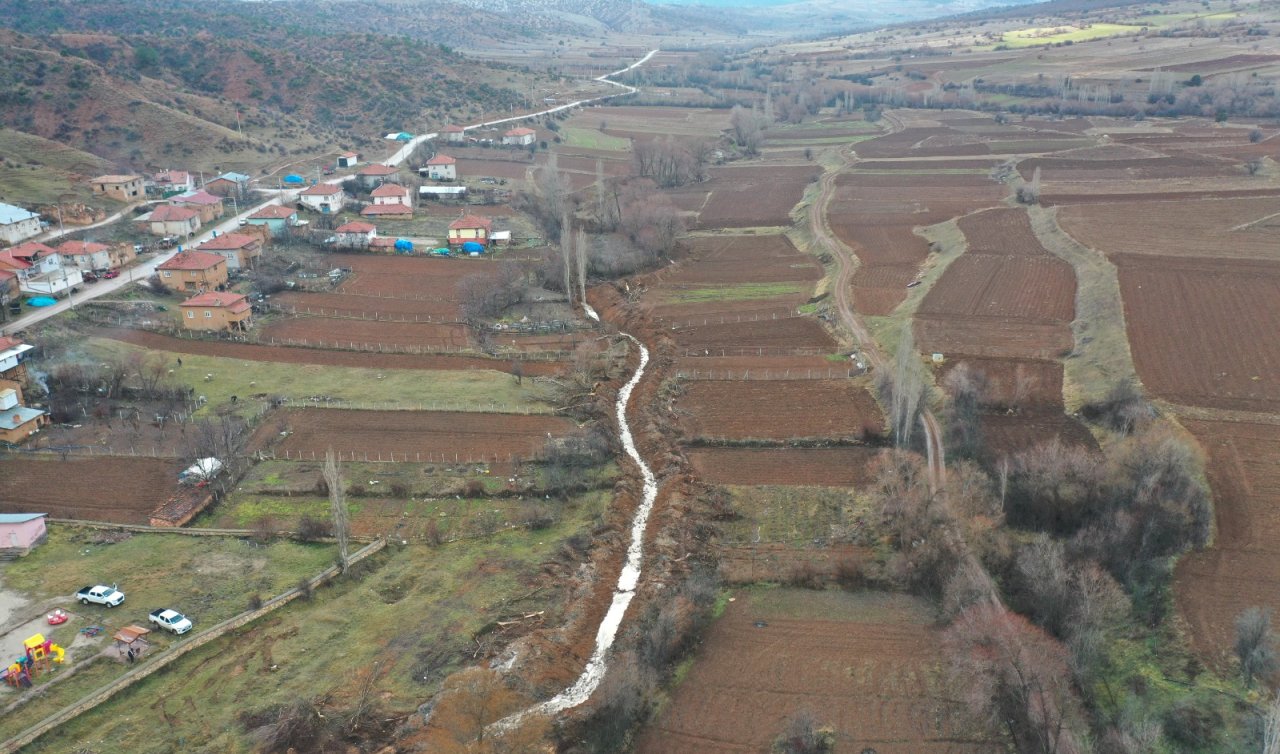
[741, 292]
[38, 171]
[795, 515]
[407, 617]
[1057, 34]
[476, 389]
[590, 138]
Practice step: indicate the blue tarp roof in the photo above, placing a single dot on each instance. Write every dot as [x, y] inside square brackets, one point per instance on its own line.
[19, 518]
[472, 246]
[237, 177]
[291, 178]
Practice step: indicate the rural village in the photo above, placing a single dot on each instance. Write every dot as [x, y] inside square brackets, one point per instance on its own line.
[673, 383]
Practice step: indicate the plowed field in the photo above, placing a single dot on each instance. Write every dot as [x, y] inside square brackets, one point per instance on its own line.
[1246, 228]
[1242, 568]
[750, 197]
[122, 490]
[867, 664]
[726, 260]
[779, 409]
[819, 467]
[367, 307]
[792, 335]
[1204, 332]
[1016, 382]
[476, 436]
[327, 332]
[1008, 434]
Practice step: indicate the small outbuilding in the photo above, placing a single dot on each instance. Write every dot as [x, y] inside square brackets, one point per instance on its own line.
[348, 160]
[20, 533]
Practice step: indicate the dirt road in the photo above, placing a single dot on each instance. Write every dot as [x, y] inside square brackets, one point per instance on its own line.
[846, 266]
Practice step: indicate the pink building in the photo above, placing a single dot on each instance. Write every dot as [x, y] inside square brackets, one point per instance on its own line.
[20, 532]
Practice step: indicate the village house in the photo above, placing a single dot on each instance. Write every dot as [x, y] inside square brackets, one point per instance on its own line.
[85, 255]
[10, 292]
[172, 182]
[172, 220]
[13, 357]
[454, 134]
[442, 192]
[228, 184]
[20, 533]
[125, 188]
[39, 269]
[520, 137]
[208, 205]
[193, 271]
[17, 224]
[355, 234]
[348, 160]
[213, 310]
[323, 197]
[470, 228]
[372, 175]
[17, 422]
[442, 167]
[275, 218]
[241, 251]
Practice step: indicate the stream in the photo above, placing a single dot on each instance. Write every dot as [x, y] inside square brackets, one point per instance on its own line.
[624, 591]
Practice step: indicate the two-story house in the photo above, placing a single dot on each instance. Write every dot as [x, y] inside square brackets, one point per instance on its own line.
[327, 198]
[39, 269]
[239, 250]
[355, 234]
[124, 188]
[173, 182]
[85, 255]
[390, 200]
[17, 422]
[228, 184]
[175, 221]
[208, 205]
[470, 228]
[13, 357]
[520, 137]
[17, 224]
[454, 134]
[214, 310]
[442, 167]
[372, 175]
[193, 271]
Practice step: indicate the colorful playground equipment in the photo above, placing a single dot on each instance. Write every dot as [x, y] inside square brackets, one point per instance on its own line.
[57, 617]
[24, 670]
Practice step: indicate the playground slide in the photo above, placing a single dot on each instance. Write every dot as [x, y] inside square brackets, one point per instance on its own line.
[57, 651]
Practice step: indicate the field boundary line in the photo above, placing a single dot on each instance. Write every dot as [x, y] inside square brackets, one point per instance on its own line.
[194, 531]
[168, 656]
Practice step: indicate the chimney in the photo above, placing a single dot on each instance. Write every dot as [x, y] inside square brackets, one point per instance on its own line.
[16, 420]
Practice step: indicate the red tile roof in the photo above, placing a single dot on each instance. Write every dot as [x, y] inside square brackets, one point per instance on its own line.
[172, 213]
[355, 226]
[8, 342]
[350, 154]
[389, 189]
[522, 131]
[78, 248]
[373, 210]
[377, 170]
[115, 179]
[172, 176]
[273, 212]
[29, 250]
[6, 275]
[196, 197]
[11, 262]
[193, 260]
[236, 302]
[471, 221]
[382, 242]
[441, 159]
[323, 189]
[452, 129]
[228, 242]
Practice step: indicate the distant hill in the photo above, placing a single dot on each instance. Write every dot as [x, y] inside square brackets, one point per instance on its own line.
[152, 84]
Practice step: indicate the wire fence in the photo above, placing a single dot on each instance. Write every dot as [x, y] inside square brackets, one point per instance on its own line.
[492, 407]
[727, 319]
[376, 316]
[394, 456]
[755, 351]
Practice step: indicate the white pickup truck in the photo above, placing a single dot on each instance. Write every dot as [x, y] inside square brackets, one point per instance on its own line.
[100, 595]
[170, 620]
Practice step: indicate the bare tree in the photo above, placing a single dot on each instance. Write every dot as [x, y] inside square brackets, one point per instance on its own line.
[905, 388]
[748, 129]
[1255, 647]
[566, 255]
[582, 265]
[338, 505]
[1271, 728]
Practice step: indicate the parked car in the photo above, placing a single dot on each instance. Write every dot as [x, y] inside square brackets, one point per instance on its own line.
[90, 277]
[109, 274]
[100, 595]
[170, 620]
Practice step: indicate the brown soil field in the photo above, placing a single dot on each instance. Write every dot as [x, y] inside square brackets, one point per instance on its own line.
[727, 311]
[122, 490]
[755, 196]
[1203, 332]
[1224, 64]
[1241, 569]
[327, 332]
[993, 337]
[511, 170]
[1240, 227]
[868, 664]
[406, 277]
[1005, 231]
[1055, 170]
[366, 307]
[1004, 435]
[468, 435]
[1015, 382]
[778, 562]
[779, 409]
[290, 355]
[1112, 193]
[964, 163]
[740, 364]
[726, 260]
[792, 335]
[819, 467]
[1033, 289]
